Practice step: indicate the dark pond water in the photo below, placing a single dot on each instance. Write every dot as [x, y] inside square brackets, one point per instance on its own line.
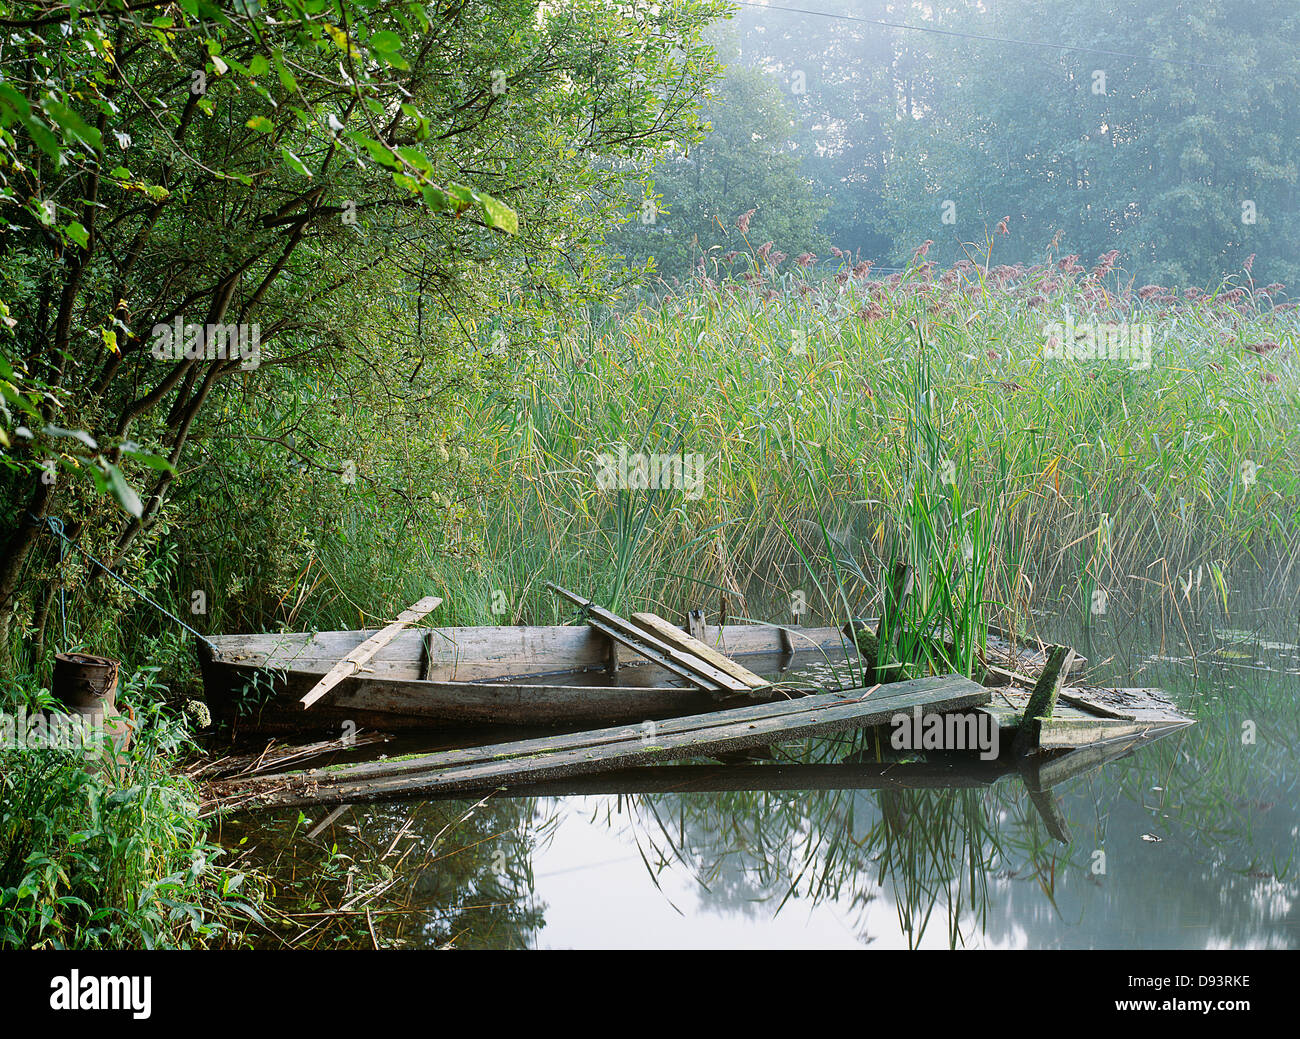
[1189, 841]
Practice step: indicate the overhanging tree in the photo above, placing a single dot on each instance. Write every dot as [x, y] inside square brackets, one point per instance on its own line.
[279, 164]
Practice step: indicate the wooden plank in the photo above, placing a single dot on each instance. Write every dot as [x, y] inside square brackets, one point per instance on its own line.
[484, 768]
[1074, 699]
[1058, 733]
[738, 640]
[1039, 773]
[784, 707]
[653, 648]
[695, 623]
[674, 636]
[351, 664]
[774, 777]
[661, 657]
[1139, 704]
[1080, 724]
[1043, 699]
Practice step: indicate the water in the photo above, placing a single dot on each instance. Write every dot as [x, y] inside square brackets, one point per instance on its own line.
[1188, 842]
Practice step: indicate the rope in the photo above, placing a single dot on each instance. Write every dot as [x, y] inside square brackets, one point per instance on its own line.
[63, 591]
[56, 528]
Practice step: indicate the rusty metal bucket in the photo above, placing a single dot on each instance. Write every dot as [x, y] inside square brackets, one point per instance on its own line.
[86, 685]
[85, 682]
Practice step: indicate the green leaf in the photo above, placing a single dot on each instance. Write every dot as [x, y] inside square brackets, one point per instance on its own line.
[294, 163]
[436, 199]
[416, 158]
[388, 45]
[75, 434]
[377, 151]
[385, 41]
[15, 398]
[77, 233]
[286, 77]
[13, 106]
[72, 124]
[97, 477]
[148, 458]
[341, 40]
[261, 124]
[421, 123]
[498, 215]
[44, 138]
[125, 495]
[463, 197]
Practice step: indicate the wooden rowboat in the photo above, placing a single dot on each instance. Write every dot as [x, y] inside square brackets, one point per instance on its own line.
[575, 676]
[558, 675]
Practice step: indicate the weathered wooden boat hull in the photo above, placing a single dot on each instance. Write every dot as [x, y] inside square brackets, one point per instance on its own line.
[440, 678]
[397, 704]
[559, 677]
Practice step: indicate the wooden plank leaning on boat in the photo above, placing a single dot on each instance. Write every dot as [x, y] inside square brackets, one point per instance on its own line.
[352, 663]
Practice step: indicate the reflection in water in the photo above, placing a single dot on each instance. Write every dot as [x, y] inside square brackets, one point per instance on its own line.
[1187, 842]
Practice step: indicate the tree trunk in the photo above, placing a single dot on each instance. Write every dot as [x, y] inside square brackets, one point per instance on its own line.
[17, 548]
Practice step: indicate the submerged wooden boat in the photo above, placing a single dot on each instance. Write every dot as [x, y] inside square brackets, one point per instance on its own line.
[568, 677]
[559, 675]
[641, 758]
[574, 676]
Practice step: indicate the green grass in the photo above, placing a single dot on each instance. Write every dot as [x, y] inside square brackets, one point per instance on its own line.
[105, 850]
[847, 423]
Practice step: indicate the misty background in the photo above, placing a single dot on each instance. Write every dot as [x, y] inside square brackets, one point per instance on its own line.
[1163, 129]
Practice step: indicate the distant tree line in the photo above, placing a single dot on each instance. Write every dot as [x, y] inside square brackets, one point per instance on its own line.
[1183, 155]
